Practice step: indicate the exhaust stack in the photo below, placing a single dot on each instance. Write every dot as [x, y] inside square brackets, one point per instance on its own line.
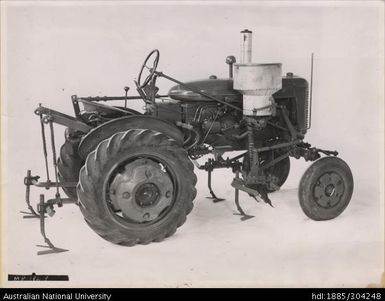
[246, 46]
[256, 82]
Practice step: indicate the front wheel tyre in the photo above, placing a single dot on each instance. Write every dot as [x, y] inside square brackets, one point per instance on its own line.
[136, 187]
[326, 188]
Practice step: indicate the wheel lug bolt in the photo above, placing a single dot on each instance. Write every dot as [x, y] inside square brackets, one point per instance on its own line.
[126, 195]
[146, 216]
[168, 194]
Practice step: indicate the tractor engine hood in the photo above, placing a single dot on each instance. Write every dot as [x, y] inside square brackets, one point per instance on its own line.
[219, 88]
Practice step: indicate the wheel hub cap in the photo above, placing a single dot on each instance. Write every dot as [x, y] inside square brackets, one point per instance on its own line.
[147, 195]
[142, 190]
[329, 190]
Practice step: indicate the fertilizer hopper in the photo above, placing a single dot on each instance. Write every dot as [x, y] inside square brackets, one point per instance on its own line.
[256, 82]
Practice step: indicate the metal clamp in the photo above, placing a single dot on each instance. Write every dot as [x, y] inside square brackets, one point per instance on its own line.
[28, 181]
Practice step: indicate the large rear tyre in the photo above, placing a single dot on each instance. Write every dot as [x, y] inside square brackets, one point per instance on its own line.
[326, 188]
[136, 187]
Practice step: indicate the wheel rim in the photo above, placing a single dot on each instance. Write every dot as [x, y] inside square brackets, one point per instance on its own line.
[140, 190]
[329, 190]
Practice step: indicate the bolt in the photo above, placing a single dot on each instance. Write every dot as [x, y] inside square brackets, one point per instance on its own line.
[168, 194]
[146, 216]
[126, 195]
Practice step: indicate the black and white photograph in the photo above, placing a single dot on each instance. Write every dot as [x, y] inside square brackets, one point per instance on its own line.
[188, 144]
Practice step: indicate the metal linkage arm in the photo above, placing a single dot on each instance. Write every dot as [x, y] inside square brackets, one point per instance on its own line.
[103, 106]
[293, 132]
[309, 153]
[112, 98]
[62, 119]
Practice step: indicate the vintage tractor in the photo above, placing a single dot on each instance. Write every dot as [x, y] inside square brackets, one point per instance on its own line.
[132, 174]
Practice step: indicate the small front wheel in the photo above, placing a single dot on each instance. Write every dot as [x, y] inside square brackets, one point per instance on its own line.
[326, 188]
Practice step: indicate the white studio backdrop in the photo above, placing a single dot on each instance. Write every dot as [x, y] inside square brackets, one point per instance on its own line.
[51, 51]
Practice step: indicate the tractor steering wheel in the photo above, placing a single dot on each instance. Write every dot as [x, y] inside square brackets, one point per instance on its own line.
[150, 69]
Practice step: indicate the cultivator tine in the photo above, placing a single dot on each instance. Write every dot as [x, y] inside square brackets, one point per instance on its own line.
[52, 249]
[260, 192]
[48, 206]
[213, 196]
[244, 215]
[265, 197]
